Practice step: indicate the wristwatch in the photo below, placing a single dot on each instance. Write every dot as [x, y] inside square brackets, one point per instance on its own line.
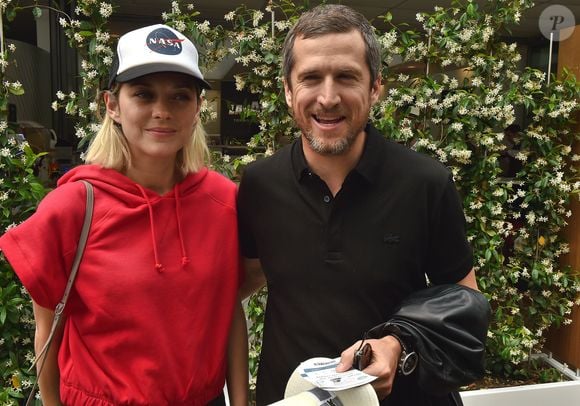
[409, 358]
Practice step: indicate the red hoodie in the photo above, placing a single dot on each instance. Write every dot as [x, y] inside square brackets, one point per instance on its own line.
[149, 314]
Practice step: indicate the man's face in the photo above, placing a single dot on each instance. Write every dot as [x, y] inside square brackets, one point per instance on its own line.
[330, 92]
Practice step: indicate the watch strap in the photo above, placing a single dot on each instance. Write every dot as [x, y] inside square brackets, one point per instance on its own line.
[407, 360]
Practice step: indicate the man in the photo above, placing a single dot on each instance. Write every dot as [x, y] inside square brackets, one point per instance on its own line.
[343, 224]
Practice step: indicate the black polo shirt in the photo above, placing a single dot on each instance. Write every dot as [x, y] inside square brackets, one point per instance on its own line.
[337, 266]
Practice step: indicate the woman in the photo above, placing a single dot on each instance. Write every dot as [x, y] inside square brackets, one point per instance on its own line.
[154, 317]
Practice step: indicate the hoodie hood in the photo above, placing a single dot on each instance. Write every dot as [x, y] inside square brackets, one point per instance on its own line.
[134, 196]
[124, 188]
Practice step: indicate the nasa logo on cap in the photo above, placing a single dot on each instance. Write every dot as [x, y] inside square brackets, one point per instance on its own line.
[164, 41]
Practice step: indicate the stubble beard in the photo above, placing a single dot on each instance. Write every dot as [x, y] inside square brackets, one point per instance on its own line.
[326, 147]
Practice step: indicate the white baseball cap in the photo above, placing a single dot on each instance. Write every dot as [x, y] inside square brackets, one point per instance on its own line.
[155, 48]
[300, 392]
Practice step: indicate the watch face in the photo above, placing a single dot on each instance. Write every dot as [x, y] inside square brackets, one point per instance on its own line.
[409, 363]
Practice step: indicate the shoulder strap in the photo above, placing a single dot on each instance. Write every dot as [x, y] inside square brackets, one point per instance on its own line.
[73, 273]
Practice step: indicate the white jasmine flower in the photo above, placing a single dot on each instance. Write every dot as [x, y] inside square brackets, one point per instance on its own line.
[102, 36]
[257, 17]
[78, 37]
[180, 26]
[457, 126]
[204, 27]
[521, 156]
[246, 159]
[106, 10]
[230, 16]
[80, 132]
[175, 7]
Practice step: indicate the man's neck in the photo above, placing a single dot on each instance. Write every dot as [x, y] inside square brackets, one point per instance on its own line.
[333, 169]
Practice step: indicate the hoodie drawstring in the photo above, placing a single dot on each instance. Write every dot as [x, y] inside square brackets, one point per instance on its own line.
[184, 258]
[158, 265]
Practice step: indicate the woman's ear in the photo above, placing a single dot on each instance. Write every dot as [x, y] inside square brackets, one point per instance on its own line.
[200, 101]
[112, 105]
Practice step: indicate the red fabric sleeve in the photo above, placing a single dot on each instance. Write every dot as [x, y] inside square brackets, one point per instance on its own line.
[42, 248]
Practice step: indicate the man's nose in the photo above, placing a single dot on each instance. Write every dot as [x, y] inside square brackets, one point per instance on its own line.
[329, 96]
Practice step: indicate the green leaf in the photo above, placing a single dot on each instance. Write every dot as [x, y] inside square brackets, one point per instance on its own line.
[86, 25]
[37, 12]
[16, 91]
[10, 14]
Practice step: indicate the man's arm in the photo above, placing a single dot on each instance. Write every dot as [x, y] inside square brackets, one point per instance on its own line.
[386, 353]
[237, 373]
[49, 380]
[254, 279]
[469, 280]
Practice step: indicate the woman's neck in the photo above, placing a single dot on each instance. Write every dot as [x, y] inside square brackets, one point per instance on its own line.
[160, 180]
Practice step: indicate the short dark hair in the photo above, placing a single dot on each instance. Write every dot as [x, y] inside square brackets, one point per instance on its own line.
[332, 19]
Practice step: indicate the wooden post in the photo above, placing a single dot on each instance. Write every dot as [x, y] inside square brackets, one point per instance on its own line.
[564, 342]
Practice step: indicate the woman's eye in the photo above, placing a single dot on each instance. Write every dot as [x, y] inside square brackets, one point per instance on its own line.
[182, 96]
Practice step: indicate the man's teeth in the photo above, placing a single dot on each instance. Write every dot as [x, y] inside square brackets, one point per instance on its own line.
[327, 120]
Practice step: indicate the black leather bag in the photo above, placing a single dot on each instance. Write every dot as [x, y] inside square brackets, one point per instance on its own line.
[447, 327]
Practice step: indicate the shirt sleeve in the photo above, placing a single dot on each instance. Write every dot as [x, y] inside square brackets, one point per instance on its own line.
[42, 248]
[450, 255]
[245, 213]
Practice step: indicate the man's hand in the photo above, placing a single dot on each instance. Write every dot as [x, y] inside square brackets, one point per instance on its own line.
[384, 363]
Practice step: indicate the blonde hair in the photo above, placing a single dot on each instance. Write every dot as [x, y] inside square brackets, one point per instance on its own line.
[109, 148]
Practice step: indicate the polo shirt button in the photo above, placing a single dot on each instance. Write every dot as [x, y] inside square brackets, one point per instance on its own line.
[326, 199]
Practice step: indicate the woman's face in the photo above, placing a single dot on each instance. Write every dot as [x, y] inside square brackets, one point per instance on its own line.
[157, 114]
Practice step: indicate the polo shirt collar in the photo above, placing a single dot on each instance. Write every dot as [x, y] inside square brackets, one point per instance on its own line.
[367, 167]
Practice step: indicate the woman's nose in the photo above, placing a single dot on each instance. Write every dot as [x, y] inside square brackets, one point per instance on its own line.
[161, 110]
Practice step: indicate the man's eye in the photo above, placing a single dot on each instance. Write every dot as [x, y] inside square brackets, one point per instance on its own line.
[310, 79]
[347, 77]
[143, 94]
